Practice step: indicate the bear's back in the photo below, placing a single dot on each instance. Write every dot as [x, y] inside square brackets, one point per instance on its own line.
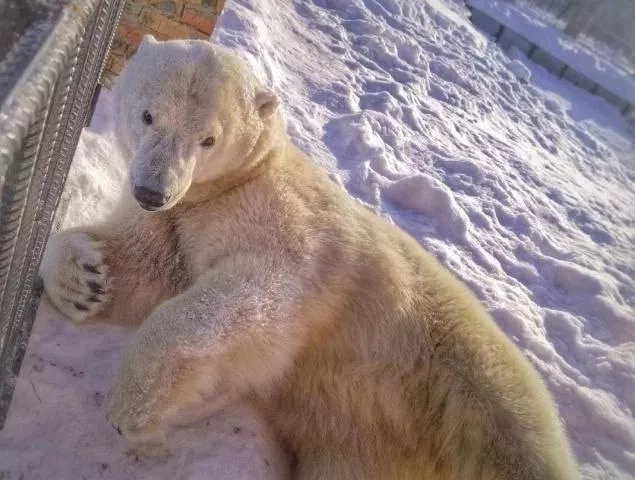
[403, 363]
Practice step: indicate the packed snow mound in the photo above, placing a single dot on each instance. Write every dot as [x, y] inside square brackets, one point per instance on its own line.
[521, 185]
[425, 194]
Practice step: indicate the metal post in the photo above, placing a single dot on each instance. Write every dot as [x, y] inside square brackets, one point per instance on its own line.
[47, 84]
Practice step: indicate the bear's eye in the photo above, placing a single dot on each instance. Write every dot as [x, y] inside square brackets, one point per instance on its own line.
[208, 142]
[146, 117]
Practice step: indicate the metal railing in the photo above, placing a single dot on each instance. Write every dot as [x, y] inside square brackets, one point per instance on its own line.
[48, 78]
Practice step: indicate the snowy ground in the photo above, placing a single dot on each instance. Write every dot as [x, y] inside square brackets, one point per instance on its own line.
[524, 190]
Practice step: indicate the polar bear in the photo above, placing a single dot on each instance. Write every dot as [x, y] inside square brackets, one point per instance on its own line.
[253, 278]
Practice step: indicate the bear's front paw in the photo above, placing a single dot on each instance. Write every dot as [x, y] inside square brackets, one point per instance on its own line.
[74, 274]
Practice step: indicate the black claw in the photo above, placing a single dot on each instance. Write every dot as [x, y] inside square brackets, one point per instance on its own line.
[95, 287]
[80, 306]
[90, 268]
[116, 427]
[93, 299]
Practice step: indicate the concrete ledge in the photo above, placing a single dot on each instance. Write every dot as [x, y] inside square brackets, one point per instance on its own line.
[507, 38]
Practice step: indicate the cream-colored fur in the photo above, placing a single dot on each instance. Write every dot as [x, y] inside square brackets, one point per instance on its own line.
[260, 281]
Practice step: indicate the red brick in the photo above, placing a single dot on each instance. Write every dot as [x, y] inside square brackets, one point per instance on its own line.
[168, 8]
[196, 35]
[132, 9]
[212, 6]
[165, 19]
[131, 33]
[173, 29]
[150, 18]
[202, 7]
[203, 23]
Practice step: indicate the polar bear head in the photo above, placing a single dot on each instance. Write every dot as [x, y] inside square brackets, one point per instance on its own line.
[189, 112]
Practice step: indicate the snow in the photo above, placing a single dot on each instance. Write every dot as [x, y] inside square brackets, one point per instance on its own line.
[602, 71]
[522, 186]
[522, 72]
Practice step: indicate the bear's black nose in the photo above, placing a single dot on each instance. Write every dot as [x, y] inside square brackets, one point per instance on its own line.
[149, 199]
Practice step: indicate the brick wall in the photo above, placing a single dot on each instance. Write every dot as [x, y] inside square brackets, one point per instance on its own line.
[165, 19]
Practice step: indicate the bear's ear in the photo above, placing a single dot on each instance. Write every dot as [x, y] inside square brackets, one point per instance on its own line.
[266, 103]
[147, 40]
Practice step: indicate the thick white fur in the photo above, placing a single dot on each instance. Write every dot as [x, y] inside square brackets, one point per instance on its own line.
[261, 282]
